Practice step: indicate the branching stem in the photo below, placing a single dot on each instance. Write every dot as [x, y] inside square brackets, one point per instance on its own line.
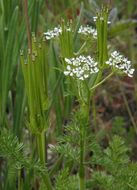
[101, 82]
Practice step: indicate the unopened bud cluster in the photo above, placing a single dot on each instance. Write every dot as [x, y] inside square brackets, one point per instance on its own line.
[80, 67]
[100, 18]
[120, 62]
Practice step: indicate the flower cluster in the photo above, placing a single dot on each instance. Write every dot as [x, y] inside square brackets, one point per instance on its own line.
[87, 30]
[53, 33]
[120, 62]
[80, 67]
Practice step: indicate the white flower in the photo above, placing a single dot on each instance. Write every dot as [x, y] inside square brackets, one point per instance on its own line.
[68, 67]
[95, 18]
[54, 33]
[88, 30]
[120, 62]
[86, 76]
[68, 61]
[66, 73]
[81, 67]
[85, 30]
[109, 22]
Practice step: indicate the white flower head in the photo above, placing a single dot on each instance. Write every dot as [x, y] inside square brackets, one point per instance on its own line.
[109, 22]
[120, 62]
[55, 32]
[95, 18]
[80, 67]
[88, 30]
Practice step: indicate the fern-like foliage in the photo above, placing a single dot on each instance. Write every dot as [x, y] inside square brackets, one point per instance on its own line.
[117, 171]
[11, 150]
[66, 182]
[69, 142]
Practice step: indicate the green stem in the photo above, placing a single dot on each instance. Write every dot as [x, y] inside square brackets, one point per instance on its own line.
[41, 152]
[101, 82]
[128, 109]
[83, 132]
[19, 180]
[82, 184]
[41, 146]
[82, 169]
[47, 181]
[101, 26]
[94, 112]
[27, 23]
[81, 49]
[27, 182]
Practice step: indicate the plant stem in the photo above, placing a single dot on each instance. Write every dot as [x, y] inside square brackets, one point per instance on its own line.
[81, 49]
[19, 180]
[83, 132]
[41, 152]
[41, 146]
[101, 26]
[27, 23]
[101, 82]
[94, 112]
[82, 170]
[47, 181]
[128, 108]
